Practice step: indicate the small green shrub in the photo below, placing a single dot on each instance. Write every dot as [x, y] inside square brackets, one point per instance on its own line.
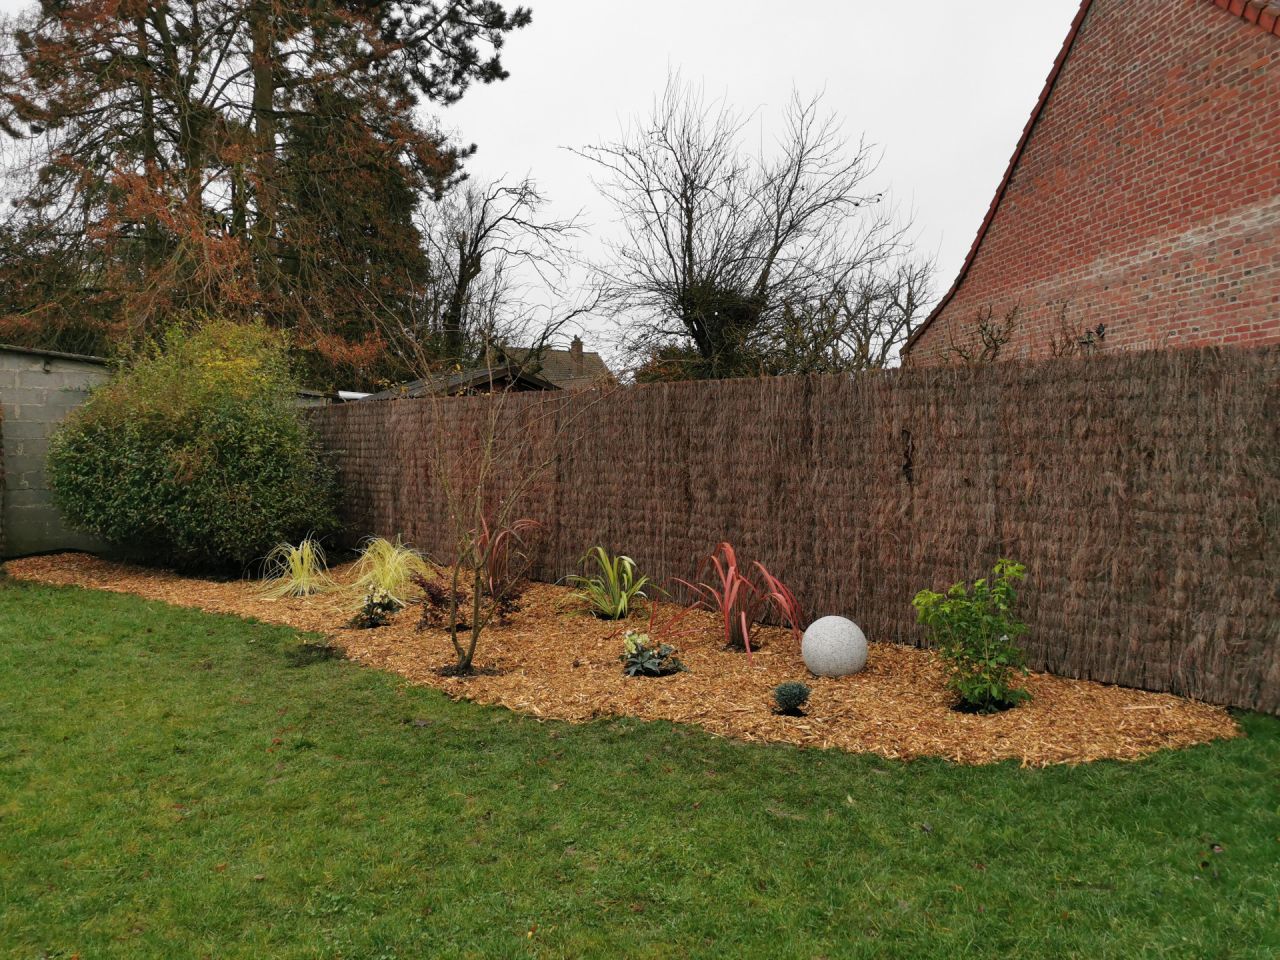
[974, 630]
[376, 611]
[389, 568]
[790, 697]
[644, 657]
[610, 593]
[195, 454]
[300, 571]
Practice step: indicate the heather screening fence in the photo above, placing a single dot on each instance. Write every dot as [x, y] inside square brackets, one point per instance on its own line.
[1142, 491]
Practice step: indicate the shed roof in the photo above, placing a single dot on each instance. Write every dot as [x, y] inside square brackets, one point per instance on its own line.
[571, 369]
[55, 354]
[509, 376]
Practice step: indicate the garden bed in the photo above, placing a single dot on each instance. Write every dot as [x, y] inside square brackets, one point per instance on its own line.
[555, 661]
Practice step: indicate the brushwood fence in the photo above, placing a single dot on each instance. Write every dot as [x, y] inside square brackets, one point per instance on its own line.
[1142, 491]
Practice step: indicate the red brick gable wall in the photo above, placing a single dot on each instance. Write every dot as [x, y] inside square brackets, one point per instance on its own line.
[1146, 197]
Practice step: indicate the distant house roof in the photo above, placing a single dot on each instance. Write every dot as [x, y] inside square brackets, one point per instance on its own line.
[571, 369]
[1263, 13]
[463, 382]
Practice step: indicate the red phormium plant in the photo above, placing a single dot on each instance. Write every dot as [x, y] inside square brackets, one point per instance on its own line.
[495, 549]
[739, 600]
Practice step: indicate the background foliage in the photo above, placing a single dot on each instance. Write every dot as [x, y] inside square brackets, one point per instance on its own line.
[257, 158]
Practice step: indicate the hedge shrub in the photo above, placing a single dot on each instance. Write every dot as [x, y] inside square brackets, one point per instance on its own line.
[195, 454]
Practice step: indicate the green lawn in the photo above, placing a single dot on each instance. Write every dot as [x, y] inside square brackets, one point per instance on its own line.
[174, 785]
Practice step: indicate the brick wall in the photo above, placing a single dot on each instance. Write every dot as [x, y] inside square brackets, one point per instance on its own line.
[1147, 194]
[36, 391]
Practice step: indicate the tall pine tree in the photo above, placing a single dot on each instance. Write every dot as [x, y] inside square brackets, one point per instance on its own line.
[242, 157]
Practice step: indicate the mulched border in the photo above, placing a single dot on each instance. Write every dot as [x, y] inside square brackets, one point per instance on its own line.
[554, 661]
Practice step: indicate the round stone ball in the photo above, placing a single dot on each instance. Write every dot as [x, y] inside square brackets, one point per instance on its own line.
[834, 647]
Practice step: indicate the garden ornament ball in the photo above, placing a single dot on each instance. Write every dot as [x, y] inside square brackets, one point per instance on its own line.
[834, 647]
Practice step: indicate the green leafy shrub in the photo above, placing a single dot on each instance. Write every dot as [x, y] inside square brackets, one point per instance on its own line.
[974, 630]
[644, 657]
[195, 454]
[610, 593]
[376, 610]
[790, 697]
[300, 571]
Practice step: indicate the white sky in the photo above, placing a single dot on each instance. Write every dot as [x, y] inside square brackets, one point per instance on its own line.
[944, 88]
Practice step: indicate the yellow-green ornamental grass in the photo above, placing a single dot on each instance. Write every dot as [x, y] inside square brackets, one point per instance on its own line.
[296, 571]
[389, 568]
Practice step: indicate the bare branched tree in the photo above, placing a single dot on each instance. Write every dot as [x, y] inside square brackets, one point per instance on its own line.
[488, 246]
[860, 325]
[1067, 341]
[723, 249]
[992, 334]
[506, 453]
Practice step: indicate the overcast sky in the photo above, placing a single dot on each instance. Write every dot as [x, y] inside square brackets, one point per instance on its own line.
[943, 88]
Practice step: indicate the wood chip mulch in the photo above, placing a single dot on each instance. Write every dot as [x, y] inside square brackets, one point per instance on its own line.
[554, 661]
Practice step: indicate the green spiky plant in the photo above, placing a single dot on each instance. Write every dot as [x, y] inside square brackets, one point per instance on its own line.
[390, 568]
[296, 571]
[610, 593]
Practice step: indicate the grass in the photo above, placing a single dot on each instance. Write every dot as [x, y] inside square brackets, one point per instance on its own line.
[388, 567]
[175, 784]
[296, 571]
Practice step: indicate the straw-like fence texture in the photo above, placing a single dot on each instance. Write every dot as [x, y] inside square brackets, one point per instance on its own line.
[1142, 491]
[2, 484]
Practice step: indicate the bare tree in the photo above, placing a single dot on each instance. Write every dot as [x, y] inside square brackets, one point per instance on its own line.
[860, 325]
[505, 453]
[992, 335]
[723, 249]
[1067, 341]
[488, 246]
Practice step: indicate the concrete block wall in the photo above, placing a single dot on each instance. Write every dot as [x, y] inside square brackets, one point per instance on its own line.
[37, 391]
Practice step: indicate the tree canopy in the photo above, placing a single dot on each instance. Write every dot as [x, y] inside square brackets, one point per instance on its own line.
[253, 158]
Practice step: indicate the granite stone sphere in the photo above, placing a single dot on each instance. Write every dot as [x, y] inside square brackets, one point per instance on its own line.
[834, 647]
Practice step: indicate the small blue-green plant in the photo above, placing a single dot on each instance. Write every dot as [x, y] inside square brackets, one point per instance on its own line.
[790, 697]
[376, 610]
[644, 657]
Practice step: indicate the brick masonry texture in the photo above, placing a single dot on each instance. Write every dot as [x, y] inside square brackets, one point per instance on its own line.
[1147, 195]
[1140, 488]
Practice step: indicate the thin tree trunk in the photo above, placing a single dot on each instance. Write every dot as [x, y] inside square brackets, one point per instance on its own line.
[263, 52]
